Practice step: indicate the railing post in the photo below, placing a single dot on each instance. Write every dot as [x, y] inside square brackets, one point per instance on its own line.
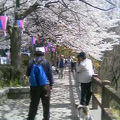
[94, 90]
[105, 98]
[94, 102]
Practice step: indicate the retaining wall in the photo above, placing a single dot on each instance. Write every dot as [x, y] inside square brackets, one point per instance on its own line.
[14, 93]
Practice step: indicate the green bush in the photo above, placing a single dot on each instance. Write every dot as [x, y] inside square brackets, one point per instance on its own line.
[116, 113]
[25, 60]
[115, 109]
[14, 83]
[1, 74]
[10, 74]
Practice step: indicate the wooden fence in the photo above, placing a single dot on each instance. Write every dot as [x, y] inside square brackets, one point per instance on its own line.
[107, 95]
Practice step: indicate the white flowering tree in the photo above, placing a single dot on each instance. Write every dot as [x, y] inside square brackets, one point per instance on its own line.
[79, 24]
[16, 10]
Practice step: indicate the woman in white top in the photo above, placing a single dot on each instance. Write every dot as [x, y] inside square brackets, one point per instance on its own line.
[84, 73]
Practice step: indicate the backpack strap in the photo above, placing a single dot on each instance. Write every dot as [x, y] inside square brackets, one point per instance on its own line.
[37, 61]
[36, 72]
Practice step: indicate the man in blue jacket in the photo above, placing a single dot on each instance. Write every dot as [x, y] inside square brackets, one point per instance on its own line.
[40, 92]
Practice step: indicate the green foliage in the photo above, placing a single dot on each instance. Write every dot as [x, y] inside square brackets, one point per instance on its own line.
[60, 50]
[63, 50]
[115, 109]
[116, 113]
[9, 75]
[1, 83]
[9, 72]
[25, 60]
[1, 74]
[6, 71]
[96, 64]
[14, 83]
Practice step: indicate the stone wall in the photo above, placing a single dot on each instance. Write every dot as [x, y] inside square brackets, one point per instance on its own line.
[18, 92]
[14, 93]
[3, 94]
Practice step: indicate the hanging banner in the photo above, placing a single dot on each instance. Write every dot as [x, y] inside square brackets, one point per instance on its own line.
[0, 25]
[1, 31]
[46, 49]
[20, 23]
[49, 45]
[33, 40]
[53, 49]
[55, 46]
[3, 23]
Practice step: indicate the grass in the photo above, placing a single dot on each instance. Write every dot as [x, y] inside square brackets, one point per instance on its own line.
[11, 83]
[116, 113]
[115, 109]
[14, 83]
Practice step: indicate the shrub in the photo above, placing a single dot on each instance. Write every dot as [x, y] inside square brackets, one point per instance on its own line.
[10, 74]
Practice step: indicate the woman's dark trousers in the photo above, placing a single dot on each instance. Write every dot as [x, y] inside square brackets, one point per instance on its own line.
[36, 94]
[85, 93]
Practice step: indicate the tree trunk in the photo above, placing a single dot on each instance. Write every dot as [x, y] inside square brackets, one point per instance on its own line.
[15, 48]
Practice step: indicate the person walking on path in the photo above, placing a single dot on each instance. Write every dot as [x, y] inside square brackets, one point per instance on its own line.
[84, 73]
[57, 65]
[61, 66]
[72, 65]
[40, 91]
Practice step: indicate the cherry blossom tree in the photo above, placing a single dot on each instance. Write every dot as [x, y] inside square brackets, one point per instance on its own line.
[79, 24]
[14, 12]
[82, 25]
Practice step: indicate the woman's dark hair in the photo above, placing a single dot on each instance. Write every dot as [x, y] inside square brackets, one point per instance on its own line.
[82, 55]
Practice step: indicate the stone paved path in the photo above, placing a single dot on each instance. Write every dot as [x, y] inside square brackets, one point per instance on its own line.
[64, 95]
[62, 103]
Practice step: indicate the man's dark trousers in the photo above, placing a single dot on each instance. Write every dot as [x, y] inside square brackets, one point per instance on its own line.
[36, 94]
[85, 93]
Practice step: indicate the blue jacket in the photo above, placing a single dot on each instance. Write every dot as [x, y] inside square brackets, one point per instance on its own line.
[46, 66]
[61, 63]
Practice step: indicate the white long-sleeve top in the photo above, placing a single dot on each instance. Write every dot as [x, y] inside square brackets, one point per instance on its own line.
[84, 71]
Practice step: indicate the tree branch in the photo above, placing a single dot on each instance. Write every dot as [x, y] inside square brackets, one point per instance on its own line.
[10, 7]
[48, 4]
[110, 2]
[28, 11]
[4, 2]
[23, 2]
[6, 9]
[96, 6]
[64, 4]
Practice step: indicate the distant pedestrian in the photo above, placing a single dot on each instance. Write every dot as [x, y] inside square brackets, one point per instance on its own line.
[72, 65]
[61, 66]
[66, 63]
[57, 65]
[84, 73]
[40, 90]
[69, 63]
